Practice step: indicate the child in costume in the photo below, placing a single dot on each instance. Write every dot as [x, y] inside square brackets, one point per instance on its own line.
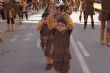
[62, 26]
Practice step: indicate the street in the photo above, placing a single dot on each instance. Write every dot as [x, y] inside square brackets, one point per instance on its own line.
[21, 51]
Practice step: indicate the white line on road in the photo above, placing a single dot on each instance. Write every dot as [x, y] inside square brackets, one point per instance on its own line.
[79, 56]
[33, 27]
[16, 36]
[83, 49]
[38, 43]
[23, 27]
[29, 34]
[30, 22]
[13, 40]
[26, 39]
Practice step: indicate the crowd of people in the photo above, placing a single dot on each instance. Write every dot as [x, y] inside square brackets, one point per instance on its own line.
[56, 25]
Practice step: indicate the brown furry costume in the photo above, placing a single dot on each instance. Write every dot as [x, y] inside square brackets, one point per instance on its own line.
[52, 19]
[61, 41]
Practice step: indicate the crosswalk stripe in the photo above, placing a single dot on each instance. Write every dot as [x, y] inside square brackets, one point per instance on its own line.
[80, 58]
[38, 43]
[16, 36]
[29, 34]
[83, 49]
[30, 22]
[23, 27]
[26, 39]
[13, 40]
[33, 27]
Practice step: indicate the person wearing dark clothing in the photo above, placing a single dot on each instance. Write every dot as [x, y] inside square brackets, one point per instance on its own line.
[24, 9]
[10, 14]
[18, 10]
[104, 17]
[2, 11]
[88, 10]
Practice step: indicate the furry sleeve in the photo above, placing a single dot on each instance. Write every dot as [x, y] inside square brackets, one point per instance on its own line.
[70, 23]
[51, 22]
[39, 26]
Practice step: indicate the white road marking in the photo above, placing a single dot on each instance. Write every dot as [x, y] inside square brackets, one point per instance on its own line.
[38, 43]
[2, 20]
[83, 49]
[23, 27]
[34, 18]
[33, 27]
[13, 40]
[75, 17]
[26, 39]
[30, 21]
[79, 56]
[29, 34]
[16, 36]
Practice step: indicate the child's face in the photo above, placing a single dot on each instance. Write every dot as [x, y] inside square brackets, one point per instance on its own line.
[60, 24]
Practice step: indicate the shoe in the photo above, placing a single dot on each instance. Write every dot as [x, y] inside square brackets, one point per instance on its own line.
[102, 42]
[48, 67]
[108, 44]
[85, 24]
[92, 23]
[80, 18]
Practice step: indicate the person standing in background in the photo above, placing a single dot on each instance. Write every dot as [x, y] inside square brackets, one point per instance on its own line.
[35, 5]
[81, 9]
[2, 11]
[10, 14]
[105, 17]
[88, 10]
[25, 9]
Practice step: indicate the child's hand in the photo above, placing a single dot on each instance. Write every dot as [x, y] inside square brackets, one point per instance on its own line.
[43, 20]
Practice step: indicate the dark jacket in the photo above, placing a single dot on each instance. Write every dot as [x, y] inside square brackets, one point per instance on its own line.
[88, 7]
[105, 12]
